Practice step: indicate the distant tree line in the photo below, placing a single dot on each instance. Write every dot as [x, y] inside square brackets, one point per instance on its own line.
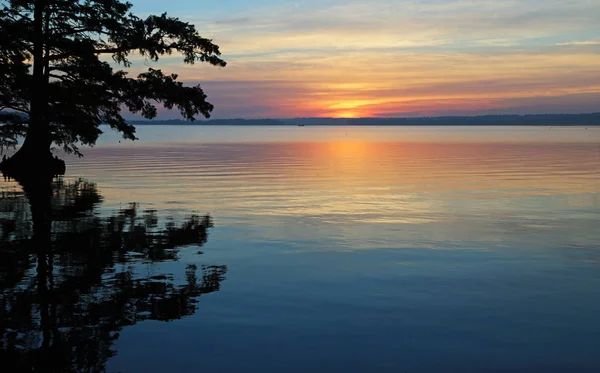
[592, 119]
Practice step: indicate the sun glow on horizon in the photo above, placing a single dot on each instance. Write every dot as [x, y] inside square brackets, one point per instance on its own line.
[356, 108]
[346, 114]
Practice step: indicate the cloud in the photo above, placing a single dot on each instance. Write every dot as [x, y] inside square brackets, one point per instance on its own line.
[584, 42]
[359, 25]
[323, 57]
[294, 84]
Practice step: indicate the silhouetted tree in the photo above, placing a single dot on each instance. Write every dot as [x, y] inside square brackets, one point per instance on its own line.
[57, 84]
[72, 280]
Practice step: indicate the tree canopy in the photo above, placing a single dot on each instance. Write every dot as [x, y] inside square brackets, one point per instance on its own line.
[63, 70]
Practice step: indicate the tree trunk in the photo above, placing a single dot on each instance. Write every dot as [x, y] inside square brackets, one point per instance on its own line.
[34, 157]
[37, 140]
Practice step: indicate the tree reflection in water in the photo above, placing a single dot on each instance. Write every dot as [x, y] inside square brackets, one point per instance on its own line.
[70, 280]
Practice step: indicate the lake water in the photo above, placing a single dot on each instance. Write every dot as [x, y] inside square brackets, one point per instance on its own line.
[324, 249]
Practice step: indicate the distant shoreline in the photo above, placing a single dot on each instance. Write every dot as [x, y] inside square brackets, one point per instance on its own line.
[196, 123]
[548, 120]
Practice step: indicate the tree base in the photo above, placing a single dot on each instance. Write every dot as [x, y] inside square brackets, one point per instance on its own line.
[28, 166]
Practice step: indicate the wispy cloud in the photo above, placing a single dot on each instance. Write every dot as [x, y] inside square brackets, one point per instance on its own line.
[584, 42]
[360, 25]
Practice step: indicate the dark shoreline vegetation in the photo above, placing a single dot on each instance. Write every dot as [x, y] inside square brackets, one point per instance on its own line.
[591, 119]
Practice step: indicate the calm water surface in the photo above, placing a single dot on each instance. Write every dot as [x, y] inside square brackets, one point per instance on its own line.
[295, 249]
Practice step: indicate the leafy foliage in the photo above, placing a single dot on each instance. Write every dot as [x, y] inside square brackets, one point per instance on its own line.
[63, 66]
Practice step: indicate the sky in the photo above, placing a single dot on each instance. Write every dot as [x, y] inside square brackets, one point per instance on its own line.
[392, 58]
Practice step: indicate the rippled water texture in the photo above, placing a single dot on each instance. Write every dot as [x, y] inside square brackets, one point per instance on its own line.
[345, 249]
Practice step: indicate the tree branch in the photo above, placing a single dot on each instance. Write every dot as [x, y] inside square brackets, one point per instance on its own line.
[79, 31]
[62, 56]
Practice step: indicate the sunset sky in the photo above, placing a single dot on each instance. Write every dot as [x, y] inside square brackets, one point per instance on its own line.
[330, 58]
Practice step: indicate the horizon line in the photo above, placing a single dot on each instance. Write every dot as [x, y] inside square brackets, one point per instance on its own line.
[378, 118]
